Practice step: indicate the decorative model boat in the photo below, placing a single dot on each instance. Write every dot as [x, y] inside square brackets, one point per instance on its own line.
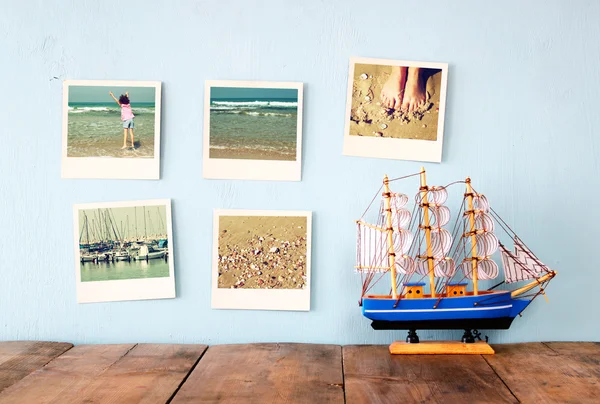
[437, 274]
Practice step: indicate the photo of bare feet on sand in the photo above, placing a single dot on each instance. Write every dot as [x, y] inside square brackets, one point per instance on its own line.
[262, 251]
[395, 100]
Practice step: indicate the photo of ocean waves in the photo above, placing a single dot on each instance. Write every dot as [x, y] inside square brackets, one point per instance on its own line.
[253, 128]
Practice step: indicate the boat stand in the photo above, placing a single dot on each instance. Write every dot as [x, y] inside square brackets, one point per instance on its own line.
[467, 345]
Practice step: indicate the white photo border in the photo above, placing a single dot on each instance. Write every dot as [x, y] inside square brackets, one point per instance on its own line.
[260, 299]
[125, 289]
[111, 167]
[399, 149]
[242, 169]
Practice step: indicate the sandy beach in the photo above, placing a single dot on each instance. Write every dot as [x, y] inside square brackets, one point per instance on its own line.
[369, 118]
[262, 252]
[250, 154]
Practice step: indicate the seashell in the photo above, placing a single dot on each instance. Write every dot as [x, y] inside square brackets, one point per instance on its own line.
[364, 76]
[383, 126]
[380, 134]
[367, 98]
[424, 125]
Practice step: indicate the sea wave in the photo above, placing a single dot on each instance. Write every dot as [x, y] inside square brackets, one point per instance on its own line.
[82, 110]
[256, 104]
[249, 112]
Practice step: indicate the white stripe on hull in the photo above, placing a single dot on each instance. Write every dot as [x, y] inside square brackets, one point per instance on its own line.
[438, 310]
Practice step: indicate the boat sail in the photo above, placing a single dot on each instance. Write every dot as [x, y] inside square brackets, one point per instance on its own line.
[418, 250]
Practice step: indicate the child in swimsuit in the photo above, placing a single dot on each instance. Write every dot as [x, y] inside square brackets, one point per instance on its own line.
[126, 116]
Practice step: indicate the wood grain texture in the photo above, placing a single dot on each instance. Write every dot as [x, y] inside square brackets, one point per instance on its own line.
[440, 347]
[373, 375]
[109, 374]
[549, 373]
[63, 379]
[266, 373]
[19, 358]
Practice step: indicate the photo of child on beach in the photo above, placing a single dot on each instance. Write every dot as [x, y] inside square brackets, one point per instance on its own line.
[111, 129]
[396, 100]
[98, 119]
[262, 251]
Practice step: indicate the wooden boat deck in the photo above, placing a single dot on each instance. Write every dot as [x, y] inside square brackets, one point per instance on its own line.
[53, 372]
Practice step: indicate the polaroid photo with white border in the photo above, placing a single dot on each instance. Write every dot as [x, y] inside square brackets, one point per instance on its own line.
[253, 130]
[395, 109]
[123, 251]
[261, 260]
[111, 129]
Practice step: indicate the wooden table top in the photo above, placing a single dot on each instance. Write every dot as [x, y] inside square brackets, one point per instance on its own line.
[53, 372]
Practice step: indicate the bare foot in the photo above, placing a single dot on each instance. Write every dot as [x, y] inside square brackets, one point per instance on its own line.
[124, 147]
[393, 89]
[415, 94]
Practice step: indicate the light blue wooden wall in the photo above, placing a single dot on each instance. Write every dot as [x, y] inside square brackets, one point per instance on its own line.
[522, 120]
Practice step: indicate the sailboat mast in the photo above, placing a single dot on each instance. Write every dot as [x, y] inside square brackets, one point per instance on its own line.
[387, 196]
[473, 236]
[425, 205]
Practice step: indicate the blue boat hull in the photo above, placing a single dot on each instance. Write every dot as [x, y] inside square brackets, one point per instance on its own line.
[494, 310]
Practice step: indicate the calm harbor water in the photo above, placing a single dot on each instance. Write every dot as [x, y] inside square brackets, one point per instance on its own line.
[108, 271]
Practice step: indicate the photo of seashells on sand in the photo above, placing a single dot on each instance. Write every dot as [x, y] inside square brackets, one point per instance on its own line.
[395, 101]
[262, 252]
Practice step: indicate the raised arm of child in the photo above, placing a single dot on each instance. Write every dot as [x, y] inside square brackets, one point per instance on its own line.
[114, 98]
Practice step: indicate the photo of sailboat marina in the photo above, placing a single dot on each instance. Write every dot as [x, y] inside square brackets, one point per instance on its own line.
[123, 243]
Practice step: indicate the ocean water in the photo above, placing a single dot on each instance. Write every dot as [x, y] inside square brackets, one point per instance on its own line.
[96, 130]
[248, 128]
[108, 271]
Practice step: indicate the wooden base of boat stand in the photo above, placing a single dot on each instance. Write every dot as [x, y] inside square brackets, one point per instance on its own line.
[412, 346]
[440, 348]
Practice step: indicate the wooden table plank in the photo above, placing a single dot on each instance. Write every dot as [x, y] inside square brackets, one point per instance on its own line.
[549, 373]
[20, 358]
[373, 375]
[266, 373]
[150, 373]
[109, 374]
[62, 380]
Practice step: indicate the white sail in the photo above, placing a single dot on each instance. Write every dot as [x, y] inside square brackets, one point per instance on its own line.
[405, 265]
[480, 202]
[400, 216]
[522, 264]
[442, 268]
[487, 244]
[437, 195]
[483, 221]
[440, 217]
[373, 249]
[486, 269]
[440, 238]
[441, 241]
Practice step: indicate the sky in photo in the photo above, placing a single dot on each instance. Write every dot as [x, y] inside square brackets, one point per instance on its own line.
[229, 93]
[81, 94]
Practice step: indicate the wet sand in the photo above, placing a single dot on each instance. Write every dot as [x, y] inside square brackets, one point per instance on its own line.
[249, 154]
[262, 252]
[369, 118]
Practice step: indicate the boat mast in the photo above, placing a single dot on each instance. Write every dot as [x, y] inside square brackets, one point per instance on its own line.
[427, 227]
[387, 196]
[473, 236]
